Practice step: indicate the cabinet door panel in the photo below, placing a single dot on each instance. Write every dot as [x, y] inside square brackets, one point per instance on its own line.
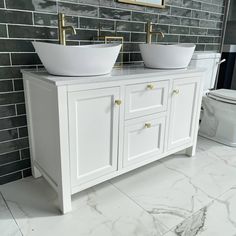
[183, 111]
[93, 121]
[143, 138]
[146, 99]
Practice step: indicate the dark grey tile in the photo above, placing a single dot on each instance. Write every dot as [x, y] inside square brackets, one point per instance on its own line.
[25, 153]
[163, 11]
[1, 3]
[25, 59]
[162, 28]
[78, 9]
[169, 39]
[6, 85]
[20, 108]
[4, 59]
[205, 39]
[27, 173]
[12, 122]
[18, 84]
[200, 14]
[15, 45]
[207, 24]
[130, 26]
[6, 135]
[10, 178]
[140, 37]
[6, 111]
[188, 39]
[94, 23]
[35, 5]
[114, 14]
[215, 16]
[10, 72]
[9, 157]
[16, 17]
[169, 20]
[190, 22]
[214, 32]
[198, 31]
[192, 4]
[179, 30]
[212, 47]
[52, 20]
[23, 132]
[210, 7]
[3, 31]
[144, 17]
[136, 57]
[83, 35]
[14, 166]
[200, 47]
[11, 98]
[17, 31]
[180, 12]
[125, 35]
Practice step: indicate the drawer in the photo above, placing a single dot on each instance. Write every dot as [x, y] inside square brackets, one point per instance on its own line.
[146, 99]
[143, 138]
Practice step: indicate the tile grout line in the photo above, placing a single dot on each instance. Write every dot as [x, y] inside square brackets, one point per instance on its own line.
[4, 200]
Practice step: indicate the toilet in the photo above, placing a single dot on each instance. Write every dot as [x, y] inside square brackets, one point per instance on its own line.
[218, 117]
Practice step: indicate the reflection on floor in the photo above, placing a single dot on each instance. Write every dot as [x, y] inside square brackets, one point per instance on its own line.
[177, 196]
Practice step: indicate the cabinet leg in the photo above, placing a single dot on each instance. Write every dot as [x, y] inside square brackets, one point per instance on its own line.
[191, 151]
[35, 172]
[64, 200]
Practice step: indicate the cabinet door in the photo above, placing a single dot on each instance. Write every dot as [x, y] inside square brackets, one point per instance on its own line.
[183, 114]
[93, 127]
[143, 138]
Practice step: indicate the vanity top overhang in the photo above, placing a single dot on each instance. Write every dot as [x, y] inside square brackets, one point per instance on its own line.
[125, 73]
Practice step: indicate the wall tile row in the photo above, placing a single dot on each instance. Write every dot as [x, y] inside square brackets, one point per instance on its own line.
[23, 21]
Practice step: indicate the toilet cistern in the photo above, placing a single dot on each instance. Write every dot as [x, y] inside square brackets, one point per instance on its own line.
[62, 29]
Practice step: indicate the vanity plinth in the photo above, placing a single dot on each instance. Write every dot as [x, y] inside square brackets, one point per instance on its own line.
[86, 130]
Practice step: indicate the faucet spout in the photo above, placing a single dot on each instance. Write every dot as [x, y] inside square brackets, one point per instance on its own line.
[150, 32]
[70, 28]
[62, 29]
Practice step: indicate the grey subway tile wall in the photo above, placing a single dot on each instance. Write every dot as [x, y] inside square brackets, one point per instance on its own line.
[23, 21]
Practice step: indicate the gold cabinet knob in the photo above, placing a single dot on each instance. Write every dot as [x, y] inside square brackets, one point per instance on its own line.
[148, 125]
[150, 86]
[175, 91]
[118, 102]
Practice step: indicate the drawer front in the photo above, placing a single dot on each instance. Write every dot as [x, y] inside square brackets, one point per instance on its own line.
[143, 138]
[146, 99]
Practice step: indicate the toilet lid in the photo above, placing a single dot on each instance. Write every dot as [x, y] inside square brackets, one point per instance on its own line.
[224, 95]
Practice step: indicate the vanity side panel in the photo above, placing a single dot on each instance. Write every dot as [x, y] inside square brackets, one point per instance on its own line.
[42, 118]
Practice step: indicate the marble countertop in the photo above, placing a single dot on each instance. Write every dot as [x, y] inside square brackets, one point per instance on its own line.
[124, 73]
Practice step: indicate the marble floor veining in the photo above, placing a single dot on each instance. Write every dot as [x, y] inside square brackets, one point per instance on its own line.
[176, 196]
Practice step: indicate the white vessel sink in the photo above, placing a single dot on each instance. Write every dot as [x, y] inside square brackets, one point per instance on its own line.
[89, 60]
[167, 56]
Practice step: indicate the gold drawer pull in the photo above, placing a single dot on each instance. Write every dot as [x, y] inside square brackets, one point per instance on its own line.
[148, 125]
[118, 102]
[150, 86]
[175, 91]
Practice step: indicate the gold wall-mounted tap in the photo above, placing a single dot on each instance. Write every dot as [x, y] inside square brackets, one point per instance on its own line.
[62, 29]
[150, 32]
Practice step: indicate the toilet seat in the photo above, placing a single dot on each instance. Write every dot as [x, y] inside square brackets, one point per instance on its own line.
[223, 95]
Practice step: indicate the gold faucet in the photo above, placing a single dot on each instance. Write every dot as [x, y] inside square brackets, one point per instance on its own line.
[62, 29]
[150, 32]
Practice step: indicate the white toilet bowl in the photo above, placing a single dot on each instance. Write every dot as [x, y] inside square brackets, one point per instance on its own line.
[218, 121]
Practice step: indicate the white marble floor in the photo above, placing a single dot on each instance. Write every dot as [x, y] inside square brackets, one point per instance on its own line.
[175, 196]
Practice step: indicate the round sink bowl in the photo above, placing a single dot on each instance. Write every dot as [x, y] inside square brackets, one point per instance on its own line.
[176, 56]
[89, 60]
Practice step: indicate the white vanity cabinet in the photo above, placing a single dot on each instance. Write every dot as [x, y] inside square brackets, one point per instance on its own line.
[86, 130]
